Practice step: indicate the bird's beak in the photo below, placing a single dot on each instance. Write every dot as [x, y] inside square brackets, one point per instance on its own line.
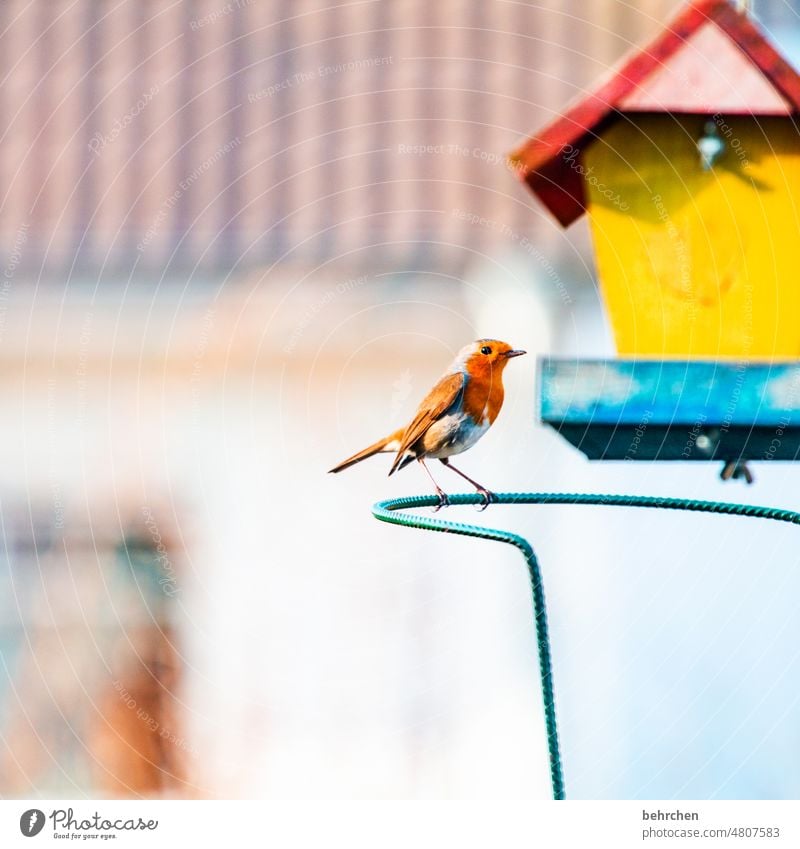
[510, 354]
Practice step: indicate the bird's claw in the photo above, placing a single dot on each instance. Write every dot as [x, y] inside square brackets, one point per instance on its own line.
[444, 501]
[488, 498]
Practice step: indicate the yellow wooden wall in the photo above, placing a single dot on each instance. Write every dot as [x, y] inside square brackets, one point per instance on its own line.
[696, 263]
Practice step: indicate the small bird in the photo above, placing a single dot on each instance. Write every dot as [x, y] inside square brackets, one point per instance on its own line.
[453, 416]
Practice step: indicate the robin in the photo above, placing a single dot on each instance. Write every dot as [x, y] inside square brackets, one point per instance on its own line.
[454, 415]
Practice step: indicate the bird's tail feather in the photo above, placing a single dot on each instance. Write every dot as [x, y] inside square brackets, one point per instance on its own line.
[389, 444]
[406, 459]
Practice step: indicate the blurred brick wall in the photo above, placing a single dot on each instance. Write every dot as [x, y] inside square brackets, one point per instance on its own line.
[141, 135]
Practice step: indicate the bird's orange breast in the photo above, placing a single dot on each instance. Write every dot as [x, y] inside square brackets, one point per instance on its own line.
[483, 396]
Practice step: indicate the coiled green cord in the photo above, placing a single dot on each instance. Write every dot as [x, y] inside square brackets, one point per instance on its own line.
[386, 511]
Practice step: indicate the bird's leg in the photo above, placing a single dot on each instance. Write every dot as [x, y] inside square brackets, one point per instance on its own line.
[488, 497]
[736, 469]
[444, 501]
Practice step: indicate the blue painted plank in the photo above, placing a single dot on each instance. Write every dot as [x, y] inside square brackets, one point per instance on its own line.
[667, 392]
[673, 410]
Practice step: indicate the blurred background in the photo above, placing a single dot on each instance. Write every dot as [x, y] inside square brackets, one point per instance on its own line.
[238, 245]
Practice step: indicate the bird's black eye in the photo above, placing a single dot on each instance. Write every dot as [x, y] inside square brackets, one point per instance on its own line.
[486, 350]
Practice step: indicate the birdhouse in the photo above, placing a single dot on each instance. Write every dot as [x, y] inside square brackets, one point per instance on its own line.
[687, 162]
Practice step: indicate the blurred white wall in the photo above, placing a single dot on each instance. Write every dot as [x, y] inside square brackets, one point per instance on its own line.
[326, 654]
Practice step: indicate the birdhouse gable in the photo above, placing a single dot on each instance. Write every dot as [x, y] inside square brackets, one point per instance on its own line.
[711, 59]
[707, 74]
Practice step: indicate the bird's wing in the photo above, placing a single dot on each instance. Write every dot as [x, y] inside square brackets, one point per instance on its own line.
[435, 404]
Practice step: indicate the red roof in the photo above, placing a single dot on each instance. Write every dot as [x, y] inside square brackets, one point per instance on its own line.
[744, 74]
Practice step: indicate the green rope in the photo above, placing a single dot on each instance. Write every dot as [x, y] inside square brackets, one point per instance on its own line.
[385, 512]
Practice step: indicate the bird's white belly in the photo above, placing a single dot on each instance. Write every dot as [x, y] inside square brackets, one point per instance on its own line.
[452, 434]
